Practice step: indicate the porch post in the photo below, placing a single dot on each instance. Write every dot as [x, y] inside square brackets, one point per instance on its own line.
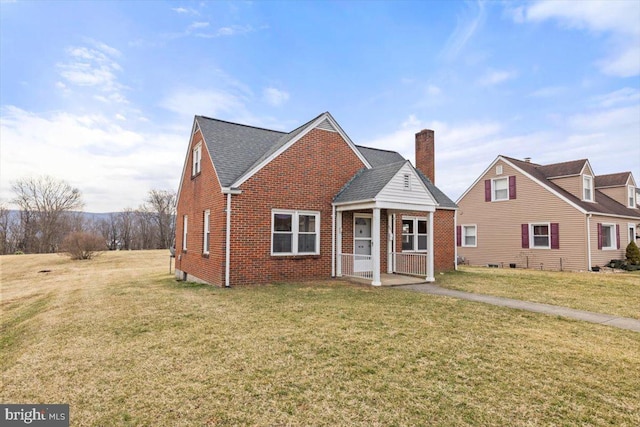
[339, 244]
[375, 250]
[430, 277]
[391, 224]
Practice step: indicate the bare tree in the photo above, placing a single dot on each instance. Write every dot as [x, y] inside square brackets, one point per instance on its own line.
[43, 202]
[6, 244]
[109, 230]
[162, 205]
[125, 225]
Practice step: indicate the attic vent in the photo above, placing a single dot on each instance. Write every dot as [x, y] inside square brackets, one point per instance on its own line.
[326, 125]
[406, 182]
[499, 170]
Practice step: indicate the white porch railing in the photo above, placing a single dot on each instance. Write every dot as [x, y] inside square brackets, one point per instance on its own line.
[355, 266]
[410, 263]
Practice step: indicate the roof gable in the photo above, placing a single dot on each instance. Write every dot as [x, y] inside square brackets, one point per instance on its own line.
[324, 121]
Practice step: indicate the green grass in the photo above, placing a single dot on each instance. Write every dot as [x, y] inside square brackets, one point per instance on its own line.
[610, 293]
[130, 346]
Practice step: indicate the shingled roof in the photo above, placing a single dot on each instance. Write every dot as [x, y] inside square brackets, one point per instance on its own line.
[612, 180]
[603, 204]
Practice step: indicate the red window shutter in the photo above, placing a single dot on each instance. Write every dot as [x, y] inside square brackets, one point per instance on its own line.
[525, 236]
[512, 187]
[618, 236]
[555, 235]
[459, 235]
[599, 236]
[487, 190]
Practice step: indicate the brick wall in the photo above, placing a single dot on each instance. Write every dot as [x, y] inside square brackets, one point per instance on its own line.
[305, 177]
[198, 194]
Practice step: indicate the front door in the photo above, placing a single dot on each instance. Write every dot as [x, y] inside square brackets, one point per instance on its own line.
[362, 243]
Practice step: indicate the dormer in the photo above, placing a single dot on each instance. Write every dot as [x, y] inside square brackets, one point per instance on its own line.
[621, 187]
[575, 176]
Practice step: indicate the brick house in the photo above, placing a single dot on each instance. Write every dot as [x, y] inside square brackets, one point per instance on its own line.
[558, 216]
[257, 206]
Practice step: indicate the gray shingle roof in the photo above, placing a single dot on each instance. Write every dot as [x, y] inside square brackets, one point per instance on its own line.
[378, 157]
[612, 179]
[235, 148]
[367, 183]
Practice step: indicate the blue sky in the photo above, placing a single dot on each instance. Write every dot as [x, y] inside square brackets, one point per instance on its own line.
[103, 94]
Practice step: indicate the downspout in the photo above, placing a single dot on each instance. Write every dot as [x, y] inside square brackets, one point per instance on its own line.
[333, 241]
[588, 242]
[455, 239]
[227, 269]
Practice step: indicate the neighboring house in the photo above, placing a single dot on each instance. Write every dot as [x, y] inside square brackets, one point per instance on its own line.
[259, 206]
[557, 217]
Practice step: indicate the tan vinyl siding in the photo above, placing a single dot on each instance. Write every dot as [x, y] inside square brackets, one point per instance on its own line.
[600, 257]
[499, 226]
[573, 184]
[619, 194]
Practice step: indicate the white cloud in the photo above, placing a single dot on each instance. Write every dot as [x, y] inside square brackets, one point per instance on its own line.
[466, 27]
[93, 67]
[197, 25]
[617, 19]
[433, 90]
[212, 102]
[275, 97]
[548, 92]
[112, 165]
[494, 77]
[625, 95]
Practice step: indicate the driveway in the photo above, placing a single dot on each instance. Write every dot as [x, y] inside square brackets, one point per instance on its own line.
[587, 316]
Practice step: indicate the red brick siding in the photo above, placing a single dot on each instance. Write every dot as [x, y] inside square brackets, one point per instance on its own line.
[198, 194]
[305, 177]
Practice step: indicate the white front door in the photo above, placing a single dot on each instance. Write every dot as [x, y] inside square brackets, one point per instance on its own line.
[362, 243]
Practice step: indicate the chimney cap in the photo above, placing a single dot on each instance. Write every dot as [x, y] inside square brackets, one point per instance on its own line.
[527, 159]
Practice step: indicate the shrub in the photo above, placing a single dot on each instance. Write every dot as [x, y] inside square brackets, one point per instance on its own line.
[633, 254]
[81, 245]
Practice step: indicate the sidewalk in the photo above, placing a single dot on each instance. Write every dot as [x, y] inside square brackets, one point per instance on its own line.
[587, 316]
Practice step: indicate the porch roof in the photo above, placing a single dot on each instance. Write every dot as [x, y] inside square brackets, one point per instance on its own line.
[367, 183]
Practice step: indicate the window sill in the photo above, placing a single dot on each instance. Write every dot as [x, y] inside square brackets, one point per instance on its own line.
[295, 257]
[196, 175]
[205, 255]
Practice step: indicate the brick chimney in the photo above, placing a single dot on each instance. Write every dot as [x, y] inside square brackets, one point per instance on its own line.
[425, 154]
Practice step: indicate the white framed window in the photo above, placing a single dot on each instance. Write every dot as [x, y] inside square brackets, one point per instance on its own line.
[414, 234]
[206, 232]
[469, 236]
[609, 237]
[499, 189]
[295, 232]
[185, 221]
[540, 236]
[632, 232]
[632, 196]
[197, 160]
[587, 188]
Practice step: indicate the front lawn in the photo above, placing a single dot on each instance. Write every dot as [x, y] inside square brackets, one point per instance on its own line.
[124, 344]
[603, 292]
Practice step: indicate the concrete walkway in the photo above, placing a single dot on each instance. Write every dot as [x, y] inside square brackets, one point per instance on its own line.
[587, 316]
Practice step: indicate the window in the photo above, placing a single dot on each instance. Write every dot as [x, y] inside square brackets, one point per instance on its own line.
[295, 232]
[608, 237]
[500, 189]
[587, 186]
[632, 233]
[469, 233]
[206, 232]
[197, 160]
[540, 237]
[184, 232]
[499, 170]
[632, 196]
[414, 234]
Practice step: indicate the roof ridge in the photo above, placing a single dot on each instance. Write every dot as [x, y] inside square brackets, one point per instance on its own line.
[241, 124]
